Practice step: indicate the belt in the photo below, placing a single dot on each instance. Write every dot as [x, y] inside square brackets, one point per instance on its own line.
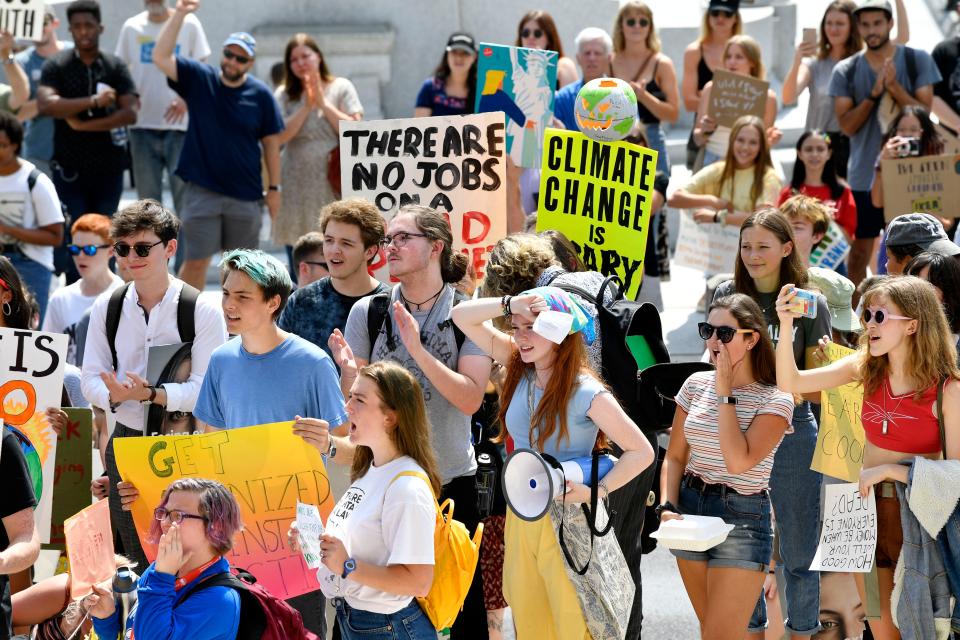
[886, 489]
[11, 248]
[699, 485]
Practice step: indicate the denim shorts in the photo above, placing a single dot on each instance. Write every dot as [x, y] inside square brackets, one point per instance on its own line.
[749, 545]
[409, 623]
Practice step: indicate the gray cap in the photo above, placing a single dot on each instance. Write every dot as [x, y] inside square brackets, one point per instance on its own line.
[874, 5]
[921, 229]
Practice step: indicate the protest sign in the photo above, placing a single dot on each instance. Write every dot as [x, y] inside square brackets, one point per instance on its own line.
[734, 95]
[455, 164]
[519, 82]
[310, 528]
[22, 18]
[599, 195]
[840, 439]
[925, 184]
[72, 472]
[266, 467]
[31, 381]
[710, 248]
[832, 249]
[848, 538]
[89, 548]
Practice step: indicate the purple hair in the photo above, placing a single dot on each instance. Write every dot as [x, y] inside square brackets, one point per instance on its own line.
[217, 505]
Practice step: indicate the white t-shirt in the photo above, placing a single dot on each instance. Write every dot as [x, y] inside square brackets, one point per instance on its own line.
[19, 207]
[383, 524]
[135, 47]
[65, 309]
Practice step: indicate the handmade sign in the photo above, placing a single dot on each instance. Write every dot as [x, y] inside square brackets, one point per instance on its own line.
[31, 381]
[455, 164]
[599, 195]
[710, 248]
[310, 527]
[267, 468]
[72, 472]
[832, 249]
[848, 538]
[519, 82]
[840, 439]
[923, 184]
[89, 548]
[22, 18]
[734, 95]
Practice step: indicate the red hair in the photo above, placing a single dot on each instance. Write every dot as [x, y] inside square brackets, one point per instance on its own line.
[93, 223]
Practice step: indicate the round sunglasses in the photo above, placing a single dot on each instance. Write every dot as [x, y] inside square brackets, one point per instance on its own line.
[724, 334]
[536, 33]
[632, 22]
[87, 249]
[142, 249]
[878, 315]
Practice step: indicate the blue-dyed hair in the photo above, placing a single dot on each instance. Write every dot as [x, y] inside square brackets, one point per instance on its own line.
[270, 274]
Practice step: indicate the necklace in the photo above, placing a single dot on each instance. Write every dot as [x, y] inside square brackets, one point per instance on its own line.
[419, 304]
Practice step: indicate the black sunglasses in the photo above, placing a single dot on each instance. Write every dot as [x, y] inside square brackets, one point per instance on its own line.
[230, 55]
[632, 22]
[724, 334]
[536, 33]
[88, 249]
[716, 13]
[142, 249]
[314, 263]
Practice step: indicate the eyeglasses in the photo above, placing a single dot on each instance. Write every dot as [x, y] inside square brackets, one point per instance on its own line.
[142, 248]
[230, 55]
[313, 263]
[400, 239]
[879, 315]
[716, 13]
[536, 33]
[724, 334]
[175, 516]
[87, 249]
[632, 22]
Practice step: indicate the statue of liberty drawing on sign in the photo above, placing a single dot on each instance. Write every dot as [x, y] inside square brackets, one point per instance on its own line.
[534, 96]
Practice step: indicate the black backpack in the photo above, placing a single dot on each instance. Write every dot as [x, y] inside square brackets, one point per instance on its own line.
[379, 310]
[185, 321]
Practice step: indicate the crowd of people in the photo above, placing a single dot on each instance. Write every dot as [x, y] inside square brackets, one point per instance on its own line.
[413, 389]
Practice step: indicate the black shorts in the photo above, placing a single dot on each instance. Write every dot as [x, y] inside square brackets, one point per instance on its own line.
[869, 218]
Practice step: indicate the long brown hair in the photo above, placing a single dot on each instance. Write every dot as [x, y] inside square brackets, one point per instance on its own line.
[400, 393]
[748, 315]
[854, 42]
[619, 41]
[761, 165]
[792, 268]
[550, 415]
[545, 22]
[933, 355]
[751, 49]
[291, 83]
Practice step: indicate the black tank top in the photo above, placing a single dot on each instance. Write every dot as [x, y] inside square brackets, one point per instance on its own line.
[646, 117]
[704, 73]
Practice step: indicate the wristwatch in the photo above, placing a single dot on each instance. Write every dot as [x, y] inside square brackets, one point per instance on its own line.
[349, 566]
[9, 59]
[727, 399]
[332, 449]
[666, 506]
[153, 395]
[275, 187]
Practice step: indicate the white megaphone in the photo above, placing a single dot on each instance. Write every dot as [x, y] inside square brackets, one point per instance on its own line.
[531, 481]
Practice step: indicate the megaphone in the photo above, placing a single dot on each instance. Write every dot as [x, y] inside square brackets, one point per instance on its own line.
[531, 481]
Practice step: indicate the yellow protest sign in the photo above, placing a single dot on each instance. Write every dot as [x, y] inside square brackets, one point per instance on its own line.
[599, 195]
[840, 442]
[268, 470]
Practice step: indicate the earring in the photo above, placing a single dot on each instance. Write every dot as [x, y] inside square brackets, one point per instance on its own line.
[7, 309]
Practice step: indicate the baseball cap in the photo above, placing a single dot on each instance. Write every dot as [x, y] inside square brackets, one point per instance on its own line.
[838, 291]
[921, 229]
[728, 5]
[243, 40]
[462, 42]
[874, 5]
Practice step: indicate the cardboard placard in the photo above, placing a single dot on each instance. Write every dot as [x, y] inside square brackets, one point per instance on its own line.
[710, 248]
[924, 184]
[840, 439]
[455, 164]
[89, 548]
[848, 538]
[267, 468]
[832, 249]
[734, 95]
[73, 472]
[519, 82]
[22, 18]
[599, 195]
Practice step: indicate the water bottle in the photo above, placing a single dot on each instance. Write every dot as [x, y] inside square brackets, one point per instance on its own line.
[119, 136]
[125, 591]
[486, 484]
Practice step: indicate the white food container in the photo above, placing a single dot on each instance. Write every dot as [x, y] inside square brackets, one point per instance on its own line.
[692, 533]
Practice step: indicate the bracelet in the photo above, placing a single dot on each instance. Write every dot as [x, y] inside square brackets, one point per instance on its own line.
[505, 306]
[94, 100]
[606, 490]
[772, 571]
[153, 394]
[722, 216]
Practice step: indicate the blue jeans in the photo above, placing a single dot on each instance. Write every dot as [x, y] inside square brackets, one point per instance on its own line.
[152, 151]
[409, 623]
[36, 278]
[659, 144]
[795, 491]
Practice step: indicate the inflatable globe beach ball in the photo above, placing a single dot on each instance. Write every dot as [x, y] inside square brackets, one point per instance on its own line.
[606, 109]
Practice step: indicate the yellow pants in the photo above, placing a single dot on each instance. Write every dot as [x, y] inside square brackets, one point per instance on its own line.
[535, 583]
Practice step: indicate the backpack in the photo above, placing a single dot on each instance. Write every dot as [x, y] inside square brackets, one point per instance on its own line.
[263, 616]
[379, 310]
[455, 557]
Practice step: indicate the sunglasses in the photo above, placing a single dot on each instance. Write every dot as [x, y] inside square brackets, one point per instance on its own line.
[632, 22]
[716, 13]
[878, 315]
[724, 334]
[536, 33]
[142, 249]
[230, 55]
[175, 516]
[87, 249]
[314, 263]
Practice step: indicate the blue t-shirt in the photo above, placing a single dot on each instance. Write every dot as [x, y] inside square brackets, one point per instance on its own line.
[296, 378]
[221, 151]
[433, 96]
[564, 102]
[581, 430]
[38, 132]
[853, 78]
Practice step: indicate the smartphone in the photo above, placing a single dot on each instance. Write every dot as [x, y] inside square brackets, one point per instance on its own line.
[810, 36]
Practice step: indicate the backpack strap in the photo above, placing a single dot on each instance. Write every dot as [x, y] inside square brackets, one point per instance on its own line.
[32, 178]
[253, 620]
[910, 57]
[186, 306]
[458, 334]
[114, 311]
[377, 314]
[943, 433]
[412, 474]
[583, 293]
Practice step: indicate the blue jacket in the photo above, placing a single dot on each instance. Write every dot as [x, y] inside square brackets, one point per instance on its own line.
[212, 614]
